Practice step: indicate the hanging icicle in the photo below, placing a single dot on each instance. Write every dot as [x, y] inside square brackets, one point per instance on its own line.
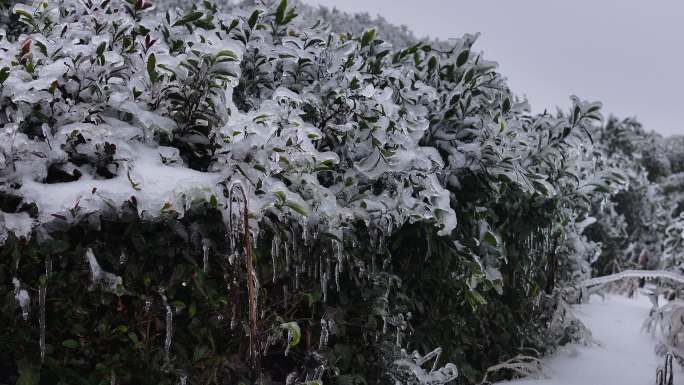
[109, 282]
[169, 326]
[42, 296]
[22, 296]
[205, 255]
[325, 334]
[337, 247]
[274, 252]
[238, 193]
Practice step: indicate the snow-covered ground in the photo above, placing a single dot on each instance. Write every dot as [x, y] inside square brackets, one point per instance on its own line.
[626, 356]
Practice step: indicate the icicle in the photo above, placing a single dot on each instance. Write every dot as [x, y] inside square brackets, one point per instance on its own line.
[325, 334]
[287, 256]
[22, 296]
[285, 296]
[47, 134]
[233, 317]
[254, 236]
[290, 337]
[274, 253]
[297, 270]
[169, 325]
[107, 281]
[305, 235]
[183, 379]
[112, 379]
[338, 267]
[401, 326]
[257, 286]
[205, 255]
[235, 225]
[324, 285]
[42, 295]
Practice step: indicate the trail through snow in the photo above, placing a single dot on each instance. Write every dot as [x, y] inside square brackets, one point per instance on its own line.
[626, 355]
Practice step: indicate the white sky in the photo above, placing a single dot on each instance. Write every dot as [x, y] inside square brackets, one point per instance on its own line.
[628, 54]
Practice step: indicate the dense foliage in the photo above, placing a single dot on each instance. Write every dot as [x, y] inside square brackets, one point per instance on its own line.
[212, 194]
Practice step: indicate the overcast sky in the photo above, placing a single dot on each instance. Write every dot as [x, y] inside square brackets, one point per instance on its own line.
[628, 54]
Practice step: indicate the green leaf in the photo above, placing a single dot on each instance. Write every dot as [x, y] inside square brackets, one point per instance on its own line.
[280, 12]
[469, 75]
[368, 37]
[475, 299]
[205, 24]
[71, 344]
[576, 114]
[281, 196]
[566, 131]
[432, 63]
[594, 108]
[101, 48]
[24, 13]
[152, 68]
[189, 18]
[296, 207]
[226, 53]
[506, 105]
[462, 58]
[4, 74]
[253, 19]
[290, 16]
[491, 238]
[233, 25]
[42, 47]
[294, 331]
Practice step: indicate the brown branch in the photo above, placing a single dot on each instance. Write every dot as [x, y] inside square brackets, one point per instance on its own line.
[249, 266]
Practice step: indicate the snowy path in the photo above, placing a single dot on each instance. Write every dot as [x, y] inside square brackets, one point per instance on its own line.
[626, 356]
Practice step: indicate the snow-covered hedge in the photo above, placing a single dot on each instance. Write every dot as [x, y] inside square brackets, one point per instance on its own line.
[216, 195]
